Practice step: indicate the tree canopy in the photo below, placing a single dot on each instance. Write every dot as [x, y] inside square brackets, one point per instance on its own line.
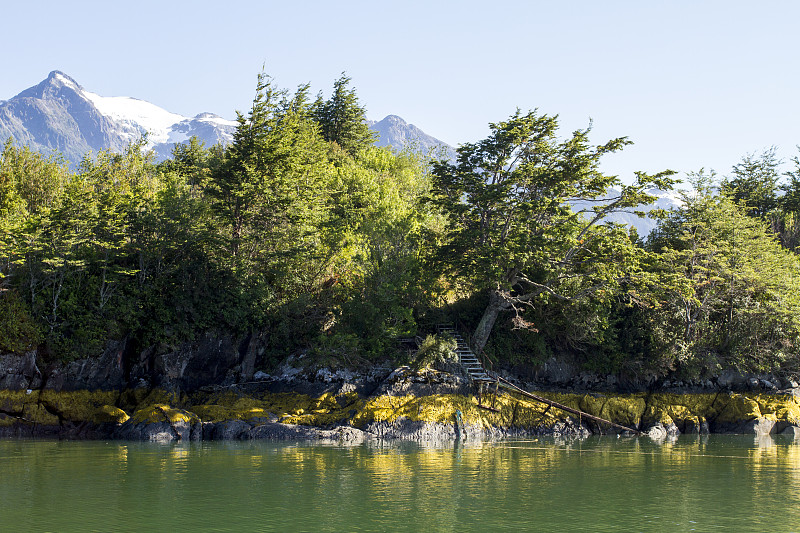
[304, 233]
[527, 213]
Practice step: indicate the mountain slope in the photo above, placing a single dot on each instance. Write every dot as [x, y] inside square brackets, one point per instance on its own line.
[59, 115]
[397, 133]
[54, 116]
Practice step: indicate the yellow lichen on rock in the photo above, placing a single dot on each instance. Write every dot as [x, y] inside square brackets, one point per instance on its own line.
[592, 404]
[328, 410]
[779, 407]
[109, 413]
[380, 409]
[14, 401]
[626, 410]
[156, 397]
[211, 412]
[681, 409]
[509, 411]
[38, 414]
[739, 408]
[290, 408]
[155, 413]
[80, 405]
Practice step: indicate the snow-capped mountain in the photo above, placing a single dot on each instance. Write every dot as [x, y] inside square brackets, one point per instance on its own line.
[59, 115]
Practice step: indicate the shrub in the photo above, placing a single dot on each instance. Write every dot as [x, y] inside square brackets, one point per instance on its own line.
[436, 350]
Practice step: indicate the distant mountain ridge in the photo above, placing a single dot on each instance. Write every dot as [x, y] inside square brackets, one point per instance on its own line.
[396, 132]
[59, 115]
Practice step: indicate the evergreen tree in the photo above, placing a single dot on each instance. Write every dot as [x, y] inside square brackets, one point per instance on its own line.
[267, 194]
[734, 294]
[342, 119]
[754, 182]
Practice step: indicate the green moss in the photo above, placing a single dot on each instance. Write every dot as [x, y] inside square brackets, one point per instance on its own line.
[218, 413]
[592, 404]
[441, 409]
[14, 401]
[6, 420]
[680, 409]
[291, 408]
[38, 414]
[626, 410]
[158, 397]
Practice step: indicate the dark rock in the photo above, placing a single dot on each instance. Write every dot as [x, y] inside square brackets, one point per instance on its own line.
[92, 373]
[229, 430]
[755, 426]
[405, 429]
[277, 431]
[208, 361]
[146, 431]
[253, 346]
[19, 371]
[730, 379]
[555, 371]
[793, 431]
[694, 427]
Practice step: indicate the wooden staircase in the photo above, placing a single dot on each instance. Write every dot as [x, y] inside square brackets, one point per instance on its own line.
[466, 357]
[479, 375]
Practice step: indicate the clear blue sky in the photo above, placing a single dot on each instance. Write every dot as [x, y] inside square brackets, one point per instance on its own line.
[693, 84]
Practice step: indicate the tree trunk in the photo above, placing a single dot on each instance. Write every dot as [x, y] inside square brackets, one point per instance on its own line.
[496, 304]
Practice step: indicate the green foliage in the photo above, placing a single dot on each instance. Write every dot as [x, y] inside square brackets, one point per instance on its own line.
[526, 212]
[378, 229]
[342, 120]
[735, 295]
[18, 331]
[436, 350]
[303, 232]
[266, 196]
[754, 183]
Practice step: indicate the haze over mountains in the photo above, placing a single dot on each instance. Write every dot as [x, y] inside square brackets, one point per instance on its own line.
[59, 115]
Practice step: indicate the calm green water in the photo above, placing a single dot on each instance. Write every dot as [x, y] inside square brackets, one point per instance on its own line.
[714, 483]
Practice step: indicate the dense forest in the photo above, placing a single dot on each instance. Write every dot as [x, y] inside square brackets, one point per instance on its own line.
[303, 232]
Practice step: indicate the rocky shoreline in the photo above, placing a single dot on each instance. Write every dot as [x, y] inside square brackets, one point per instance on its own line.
[421, 406]
[209, 390]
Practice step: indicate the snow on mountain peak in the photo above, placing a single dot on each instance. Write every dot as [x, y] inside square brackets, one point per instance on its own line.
[65, 80]
[137, 117]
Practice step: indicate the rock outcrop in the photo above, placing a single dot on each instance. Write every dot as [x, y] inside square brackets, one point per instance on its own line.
[402, 408]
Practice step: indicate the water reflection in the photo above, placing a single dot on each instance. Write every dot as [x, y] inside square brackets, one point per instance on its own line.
[600, 483]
